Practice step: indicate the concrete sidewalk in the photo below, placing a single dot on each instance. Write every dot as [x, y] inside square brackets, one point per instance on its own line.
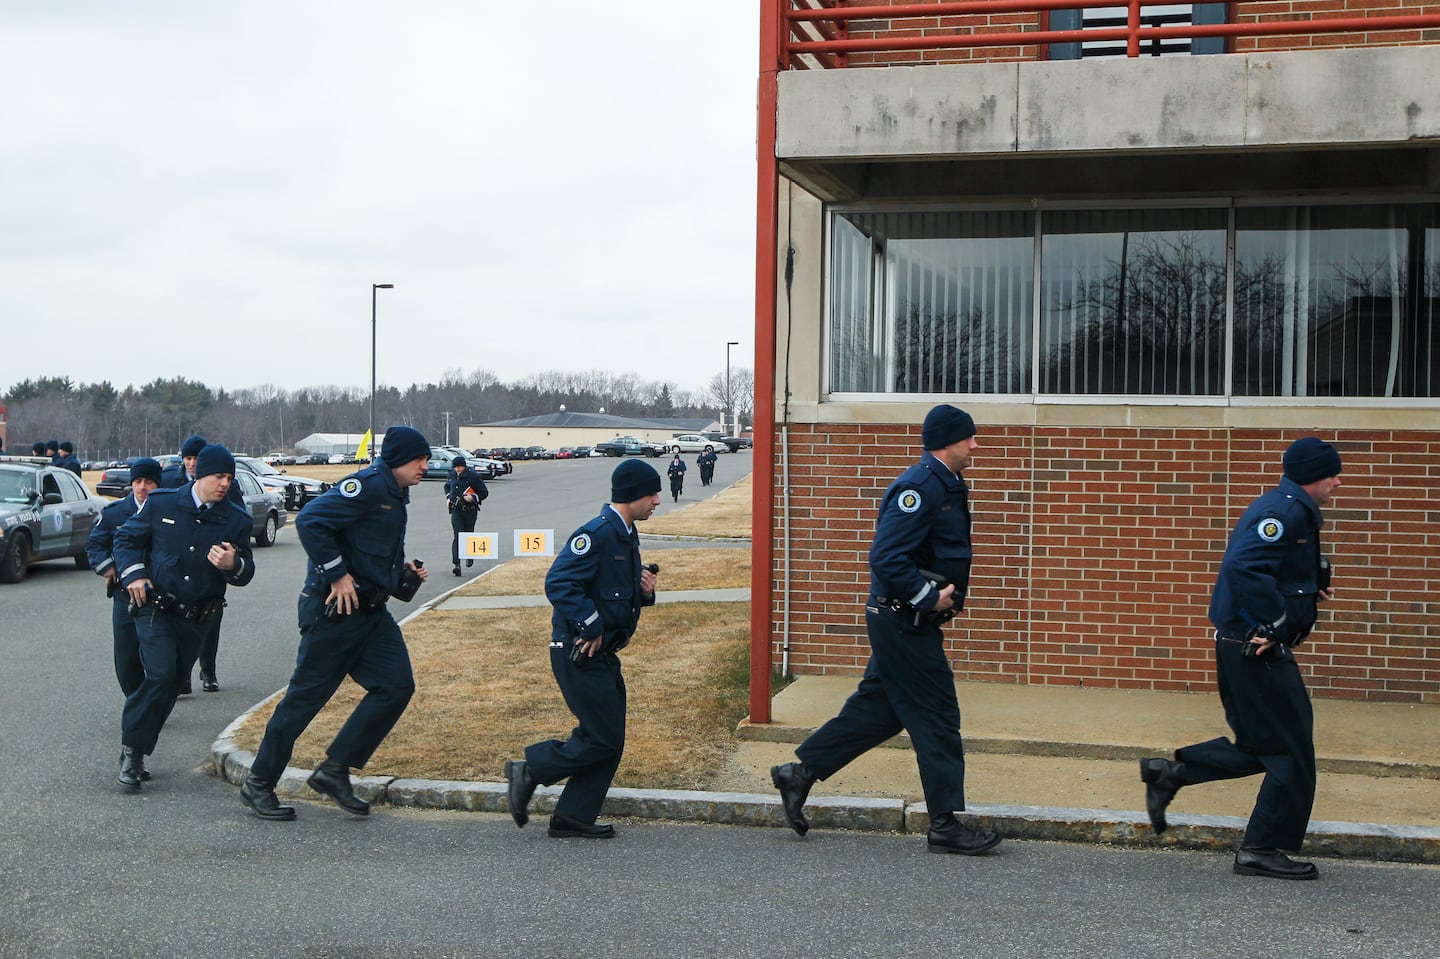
[1069, 756]
[1043, 762]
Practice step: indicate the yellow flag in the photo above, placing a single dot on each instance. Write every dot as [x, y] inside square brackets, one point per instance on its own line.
[363, 453]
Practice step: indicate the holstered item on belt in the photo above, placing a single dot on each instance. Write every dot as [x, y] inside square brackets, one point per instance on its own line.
[201, 611]
[111, 585]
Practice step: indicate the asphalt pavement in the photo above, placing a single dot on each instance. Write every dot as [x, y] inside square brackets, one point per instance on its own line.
[182, 869]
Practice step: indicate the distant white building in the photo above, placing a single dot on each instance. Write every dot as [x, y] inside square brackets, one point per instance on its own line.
[330, 442]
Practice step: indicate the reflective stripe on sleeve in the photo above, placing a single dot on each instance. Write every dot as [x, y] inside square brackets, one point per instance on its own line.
[132, 569]
[325, 568]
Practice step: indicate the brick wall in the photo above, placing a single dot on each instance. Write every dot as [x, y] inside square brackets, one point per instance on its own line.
[1097, 549]
[1246, 11]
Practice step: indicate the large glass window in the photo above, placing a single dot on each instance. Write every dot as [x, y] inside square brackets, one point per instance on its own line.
[1133, 302]
[931, 302]
[1336, 301]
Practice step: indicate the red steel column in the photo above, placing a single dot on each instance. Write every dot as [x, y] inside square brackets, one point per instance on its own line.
[767, 216]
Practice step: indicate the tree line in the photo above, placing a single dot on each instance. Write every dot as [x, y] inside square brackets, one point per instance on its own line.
[107, 422]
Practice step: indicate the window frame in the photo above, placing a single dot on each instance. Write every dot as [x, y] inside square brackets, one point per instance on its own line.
[879, 323]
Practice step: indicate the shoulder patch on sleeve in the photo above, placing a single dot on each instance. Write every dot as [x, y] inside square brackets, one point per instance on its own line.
[908, 501]
[580, 544]
[350, 488]
[1270, 529]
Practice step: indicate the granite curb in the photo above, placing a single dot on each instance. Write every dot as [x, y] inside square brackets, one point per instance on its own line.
[1345, 840]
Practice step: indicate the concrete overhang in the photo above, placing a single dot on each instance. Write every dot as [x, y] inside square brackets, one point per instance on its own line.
[1347, 120]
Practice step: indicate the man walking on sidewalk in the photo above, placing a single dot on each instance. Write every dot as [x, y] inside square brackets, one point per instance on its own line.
[1263, 606]
[919, 571]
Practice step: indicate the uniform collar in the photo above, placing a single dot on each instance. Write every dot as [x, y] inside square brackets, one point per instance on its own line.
[616, 520]
[932, 463]
[1297, 492]
[393, 485]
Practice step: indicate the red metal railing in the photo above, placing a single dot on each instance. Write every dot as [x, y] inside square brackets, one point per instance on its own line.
[820, 28]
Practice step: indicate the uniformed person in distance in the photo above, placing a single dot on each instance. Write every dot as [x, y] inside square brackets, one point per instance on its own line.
[597, 588]
[176, 556]
[177, 475]
[1264, 605]
[465, 490]
[144, 478]
[923, 528]
[706, 462]
[68, 460]
[354, 537]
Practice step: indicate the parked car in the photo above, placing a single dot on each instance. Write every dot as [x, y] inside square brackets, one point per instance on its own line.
[691, 443]
[297, 490]
[629, 446]
[582, 451]
[515, 453]
[45, 513]
[498, 453]
[114, 481]
[267, 508]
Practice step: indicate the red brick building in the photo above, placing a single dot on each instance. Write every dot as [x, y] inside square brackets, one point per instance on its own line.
[1144, 275]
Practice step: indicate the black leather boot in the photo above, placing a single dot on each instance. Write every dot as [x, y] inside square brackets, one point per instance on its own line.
[1272, 864]
[1163, 779]
[132, 768]
[794, 782]
[333, 779]
[949, 834]
[522, 787]
[259, 795]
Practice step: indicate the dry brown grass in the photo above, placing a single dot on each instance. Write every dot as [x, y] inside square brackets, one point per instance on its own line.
[726, 515]
[485, 691]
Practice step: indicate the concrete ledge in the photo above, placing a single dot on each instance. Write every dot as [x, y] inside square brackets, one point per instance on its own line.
[1342, 840]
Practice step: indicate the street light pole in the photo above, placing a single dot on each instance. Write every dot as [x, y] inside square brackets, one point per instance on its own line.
[373, 288]
[728, 400]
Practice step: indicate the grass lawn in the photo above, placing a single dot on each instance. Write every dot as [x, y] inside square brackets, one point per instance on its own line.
[485, 690]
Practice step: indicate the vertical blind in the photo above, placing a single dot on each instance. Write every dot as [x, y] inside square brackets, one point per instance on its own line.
[1337, 301]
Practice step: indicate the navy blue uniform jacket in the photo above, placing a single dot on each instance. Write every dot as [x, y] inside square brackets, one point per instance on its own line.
[458, 483]
[356, 526]
[1268, 577]
[594, 584]
[924, 523]
[101, 542]
[167, 542]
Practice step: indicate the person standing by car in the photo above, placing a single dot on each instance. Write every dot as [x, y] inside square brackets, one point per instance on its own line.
[68, 459]
[919, 571]
[1264, 605]
[676, 473]
[706, 462]
[354, 537]
[464, 491]
[176, 557]
[597, 588]
[144, 478]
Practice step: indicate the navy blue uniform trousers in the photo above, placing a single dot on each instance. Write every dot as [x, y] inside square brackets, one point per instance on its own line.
[461, 521]
[129, 670]
[595, 692]
[168, 647]
[1268, 709]
[907, 684]
[369, 649]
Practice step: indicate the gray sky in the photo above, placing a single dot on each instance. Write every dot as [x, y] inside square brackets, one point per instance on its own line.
[568, 191]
